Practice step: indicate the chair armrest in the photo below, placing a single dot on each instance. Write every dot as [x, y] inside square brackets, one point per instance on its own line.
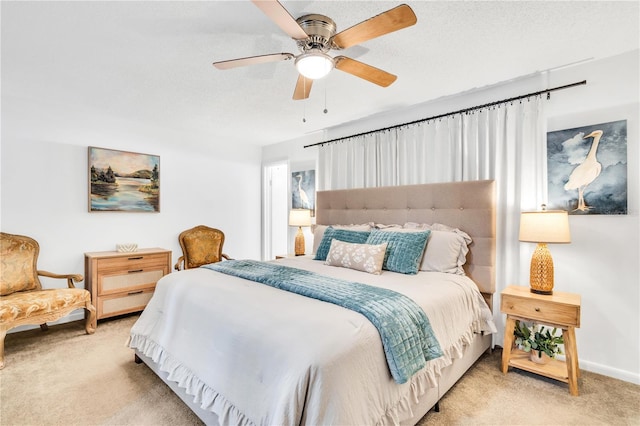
[177, 266]
[71, 278]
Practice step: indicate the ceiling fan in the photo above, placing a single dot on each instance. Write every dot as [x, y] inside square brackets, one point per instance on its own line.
[316, 34]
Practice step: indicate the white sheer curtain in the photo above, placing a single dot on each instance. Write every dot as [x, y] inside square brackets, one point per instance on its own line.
[505, 143]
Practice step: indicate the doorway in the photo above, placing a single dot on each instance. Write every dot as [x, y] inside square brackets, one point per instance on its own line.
[275, 210]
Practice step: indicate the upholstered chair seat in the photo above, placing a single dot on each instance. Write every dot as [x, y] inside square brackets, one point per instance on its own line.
[23, 305]
[23, 301]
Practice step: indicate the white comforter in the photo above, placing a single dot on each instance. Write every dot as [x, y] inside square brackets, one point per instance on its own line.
[254, 354]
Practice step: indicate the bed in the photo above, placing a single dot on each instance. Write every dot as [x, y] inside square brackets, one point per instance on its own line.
[238, 351]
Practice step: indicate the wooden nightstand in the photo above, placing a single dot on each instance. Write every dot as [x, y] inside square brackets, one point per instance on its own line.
[560, 310]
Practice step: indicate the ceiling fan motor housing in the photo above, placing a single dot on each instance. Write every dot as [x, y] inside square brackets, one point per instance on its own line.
[320, 30]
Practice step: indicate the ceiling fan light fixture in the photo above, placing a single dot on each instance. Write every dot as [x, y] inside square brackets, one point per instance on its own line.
[314, 64]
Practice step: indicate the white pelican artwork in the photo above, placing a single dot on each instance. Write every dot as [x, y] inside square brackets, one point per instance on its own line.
[586, 172]
[304, 198]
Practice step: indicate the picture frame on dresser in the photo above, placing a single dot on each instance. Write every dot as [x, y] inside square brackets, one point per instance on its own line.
[123, 181]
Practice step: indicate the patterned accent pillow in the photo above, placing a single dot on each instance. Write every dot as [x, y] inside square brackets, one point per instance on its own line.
[345, 235]
[404, 251]
[361, 257]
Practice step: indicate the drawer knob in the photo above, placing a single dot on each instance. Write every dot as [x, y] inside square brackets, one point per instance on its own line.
[131, 293]
[537, 309]
[135, 258]
[133, 272]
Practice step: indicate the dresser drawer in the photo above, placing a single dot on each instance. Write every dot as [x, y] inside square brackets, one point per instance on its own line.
[119, 304]
[132, 262]
[537, 308]
[128, 281]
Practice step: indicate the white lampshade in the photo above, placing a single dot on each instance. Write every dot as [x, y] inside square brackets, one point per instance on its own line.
[314, 64]
[300, 217]
[550, 226]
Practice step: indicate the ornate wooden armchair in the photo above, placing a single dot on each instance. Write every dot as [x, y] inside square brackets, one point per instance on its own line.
[24, 301]
[200, 246]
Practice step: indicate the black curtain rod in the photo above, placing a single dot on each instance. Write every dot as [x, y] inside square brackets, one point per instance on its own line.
[462, 111]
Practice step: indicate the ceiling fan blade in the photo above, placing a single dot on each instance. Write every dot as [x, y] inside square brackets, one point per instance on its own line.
[362, 70]
[303, 88]
[252, 60]
[387, 22]
[278, 14]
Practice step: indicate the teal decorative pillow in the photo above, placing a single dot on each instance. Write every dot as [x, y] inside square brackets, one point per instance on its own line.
[345, 235]
[404, 249]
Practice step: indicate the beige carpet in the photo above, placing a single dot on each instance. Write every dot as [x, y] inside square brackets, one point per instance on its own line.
[65, 377]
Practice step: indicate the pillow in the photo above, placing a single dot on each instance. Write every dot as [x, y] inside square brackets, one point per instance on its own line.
[383, 226]
[346, 235]
[361, 257]
[446, 250]
[318, 232]
[404, 249]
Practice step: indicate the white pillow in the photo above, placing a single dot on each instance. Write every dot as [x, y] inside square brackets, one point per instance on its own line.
[446, 250]
[390, 227]
[318, 232]
[361, 257]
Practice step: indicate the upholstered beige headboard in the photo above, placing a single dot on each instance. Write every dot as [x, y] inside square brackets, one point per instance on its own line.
[469, 206]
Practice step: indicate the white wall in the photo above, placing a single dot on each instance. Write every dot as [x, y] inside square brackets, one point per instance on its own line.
[602, 262]
[44, 184]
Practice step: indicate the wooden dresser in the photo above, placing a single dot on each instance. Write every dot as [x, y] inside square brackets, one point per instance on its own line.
[121, 283]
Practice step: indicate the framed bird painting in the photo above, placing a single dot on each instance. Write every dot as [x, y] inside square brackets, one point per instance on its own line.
[303, 190]
[587, 169]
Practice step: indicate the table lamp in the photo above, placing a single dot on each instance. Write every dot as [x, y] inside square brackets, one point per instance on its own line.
[299, 218]
[543, 227]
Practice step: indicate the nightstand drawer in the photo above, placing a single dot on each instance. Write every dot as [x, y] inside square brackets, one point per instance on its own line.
[553, 309]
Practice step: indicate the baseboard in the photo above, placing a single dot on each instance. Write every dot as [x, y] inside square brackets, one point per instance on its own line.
[76, 315]
[605, 370]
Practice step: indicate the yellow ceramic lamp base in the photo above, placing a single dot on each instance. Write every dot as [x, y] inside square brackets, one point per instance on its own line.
[541, 272]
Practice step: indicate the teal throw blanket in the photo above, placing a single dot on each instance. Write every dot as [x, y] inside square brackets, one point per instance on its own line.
[405, 330]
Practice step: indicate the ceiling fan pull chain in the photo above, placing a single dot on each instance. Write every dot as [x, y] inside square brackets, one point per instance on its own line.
[304, 102]
[325, 98]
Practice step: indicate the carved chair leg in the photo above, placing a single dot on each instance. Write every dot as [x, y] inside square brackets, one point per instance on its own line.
[90, 318]
[44, 327]
[3, 334]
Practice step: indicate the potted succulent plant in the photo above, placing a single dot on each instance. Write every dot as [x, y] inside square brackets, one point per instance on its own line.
[540, 341]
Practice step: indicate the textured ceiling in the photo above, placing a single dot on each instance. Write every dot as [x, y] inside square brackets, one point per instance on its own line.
[150, 62]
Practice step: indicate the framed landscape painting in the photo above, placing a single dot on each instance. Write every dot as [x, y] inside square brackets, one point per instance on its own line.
[587, 169]
[122, 181]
